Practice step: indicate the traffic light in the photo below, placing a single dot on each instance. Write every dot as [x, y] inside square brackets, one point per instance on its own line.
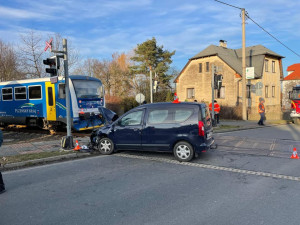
[54, 64]
[215, 81]
[219, 81]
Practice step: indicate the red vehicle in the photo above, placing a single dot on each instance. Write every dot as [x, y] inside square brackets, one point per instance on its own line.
[295, 104]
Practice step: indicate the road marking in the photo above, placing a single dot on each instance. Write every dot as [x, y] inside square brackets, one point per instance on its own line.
[207, 166]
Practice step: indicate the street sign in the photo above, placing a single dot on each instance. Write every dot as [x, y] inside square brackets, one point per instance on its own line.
[49, 45]
[249, 72]
[259, 85]
[54, 80]
[140, 98]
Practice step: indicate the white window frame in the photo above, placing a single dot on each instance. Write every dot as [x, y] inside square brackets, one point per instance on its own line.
[12, 94]
[273, 67]
[193, 93]
[29, 92]
[266, 65]
[20, 93]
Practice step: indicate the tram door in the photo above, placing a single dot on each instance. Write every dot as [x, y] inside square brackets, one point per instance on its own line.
[50, 98]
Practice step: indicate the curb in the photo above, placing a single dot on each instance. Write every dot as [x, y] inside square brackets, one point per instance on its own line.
[44, 160]
[246, 128]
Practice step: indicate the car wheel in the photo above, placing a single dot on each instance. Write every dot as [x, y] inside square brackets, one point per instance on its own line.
[183, 151]
[106, 146]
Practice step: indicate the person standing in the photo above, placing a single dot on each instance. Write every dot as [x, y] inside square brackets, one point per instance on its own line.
[261, 111]
[2, 186]
[216, 110]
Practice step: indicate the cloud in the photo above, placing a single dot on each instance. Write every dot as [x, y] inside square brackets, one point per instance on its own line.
[13, 13]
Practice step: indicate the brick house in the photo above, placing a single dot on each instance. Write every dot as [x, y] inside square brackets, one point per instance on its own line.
[194, 80]
[291, 80]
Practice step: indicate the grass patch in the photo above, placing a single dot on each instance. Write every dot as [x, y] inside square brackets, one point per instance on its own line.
[30, 156]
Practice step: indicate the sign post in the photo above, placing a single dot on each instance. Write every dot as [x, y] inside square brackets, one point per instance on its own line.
[140, 98]
[67, 142]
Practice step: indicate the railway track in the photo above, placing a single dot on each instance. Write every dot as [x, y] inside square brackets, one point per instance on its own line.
[25, 129]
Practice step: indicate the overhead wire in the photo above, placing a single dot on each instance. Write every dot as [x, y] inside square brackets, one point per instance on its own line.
[247, 15]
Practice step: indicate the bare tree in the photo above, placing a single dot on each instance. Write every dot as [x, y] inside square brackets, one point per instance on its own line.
[8, 63]
[73, 53]
[114, 73]
[31, 54]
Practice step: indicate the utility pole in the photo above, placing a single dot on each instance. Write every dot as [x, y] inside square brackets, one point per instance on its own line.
[68, 105]
[244, 66]
[151, 86]
[213, 94]
[67, 142]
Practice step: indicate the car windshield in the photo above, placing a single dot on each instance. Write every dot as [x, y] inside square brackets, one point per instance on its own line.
[295, 94]
[88, 89]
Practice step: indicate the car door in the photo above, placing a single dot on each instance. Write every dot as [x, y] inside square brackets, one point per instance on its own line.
[157, 133]
[127, 132]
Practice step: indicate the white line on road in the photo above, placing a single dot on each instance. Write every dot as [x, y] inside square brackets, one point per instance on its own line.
[207, 166]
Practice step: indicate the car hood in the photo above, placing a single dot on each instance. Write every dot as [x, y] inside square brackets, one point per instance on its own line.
[108, 115]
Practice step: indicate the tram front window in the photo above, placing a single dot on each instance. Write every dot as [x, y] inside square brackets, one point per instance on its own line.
[88, 89]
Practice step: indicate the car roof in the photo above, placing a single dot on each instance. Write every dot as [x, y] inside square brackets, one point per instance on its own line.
[168, 104]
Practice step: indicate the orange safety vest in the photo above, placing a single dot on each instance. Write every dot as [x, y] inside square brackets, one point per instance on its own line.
[261, 108]
[217, 107]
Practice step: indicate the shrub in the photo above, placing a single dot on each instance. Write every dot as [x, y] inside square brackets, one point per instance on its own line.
[232, 113]
[128, 103]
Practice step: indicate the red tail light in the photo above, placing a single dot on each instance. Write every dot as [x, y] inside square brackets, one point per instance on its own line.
[201, 128]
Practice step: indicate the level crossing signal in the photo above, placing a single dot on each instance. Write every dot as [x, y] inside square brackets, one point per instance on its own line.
[54, 64]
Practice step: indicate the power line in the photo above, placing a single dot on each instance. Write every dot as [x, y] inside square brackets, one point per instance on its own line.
[272, 36]
[260, 27]
[228, 4]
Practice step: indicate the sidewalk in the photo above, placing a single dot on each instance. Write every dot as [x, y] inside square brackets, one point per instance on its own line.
[233, 125]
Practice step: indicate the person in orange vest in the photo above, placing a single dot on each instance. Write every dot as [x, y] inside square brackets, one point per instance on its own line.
[216, 110]
[261, 111]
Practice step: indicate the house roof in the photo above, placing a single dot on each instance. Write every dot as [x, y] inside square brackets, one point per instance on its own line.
[295, 75]
[233, 57]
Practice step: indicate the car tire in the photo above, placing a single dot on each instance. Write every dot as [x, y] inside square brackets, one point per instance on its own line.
[183, 151]
[106, 146]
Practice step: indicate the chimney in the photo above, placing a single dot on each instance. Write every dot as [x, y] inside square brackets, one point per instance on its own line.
[223, 43]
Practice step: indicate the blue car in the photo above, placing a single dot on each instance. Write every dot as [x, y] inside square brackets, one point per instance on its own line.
[182, 128]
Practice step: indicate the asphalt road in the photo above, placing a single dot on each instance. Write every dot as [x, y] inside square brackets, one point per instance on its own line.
[286, 132]
[152, 188]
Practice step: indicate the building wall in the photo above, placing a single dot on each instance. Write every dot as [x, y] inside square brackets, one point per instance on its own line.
[201, 82]
[287, 86]
[270, 79]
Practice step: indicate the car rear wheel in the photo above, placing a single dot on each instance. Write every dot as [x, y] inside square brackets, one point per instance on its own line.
[183, 151]
[106, 146]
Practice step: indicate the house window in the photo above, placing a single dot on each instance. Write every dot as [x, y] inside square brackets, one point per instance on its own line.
[207, 66]
[7, 94]
[273, 91]
[190, 93]
[273, 66]
[266, 65]
[220, 93]
[248, 91]
[200, 67]
[267, 91]
[20, 93]
[35, 92]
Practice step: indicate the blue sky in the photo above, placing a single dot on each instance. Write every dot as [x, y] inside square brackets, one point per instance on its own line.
[98, 28]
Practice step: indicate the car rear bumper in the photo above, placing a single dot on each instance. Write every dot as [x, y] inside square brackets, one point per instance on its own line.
[205, 146]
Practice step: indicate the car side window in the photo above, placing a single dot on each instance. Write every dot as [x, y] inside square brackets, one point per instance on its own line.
[134, 118]
[181, 115]
[158, 116]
